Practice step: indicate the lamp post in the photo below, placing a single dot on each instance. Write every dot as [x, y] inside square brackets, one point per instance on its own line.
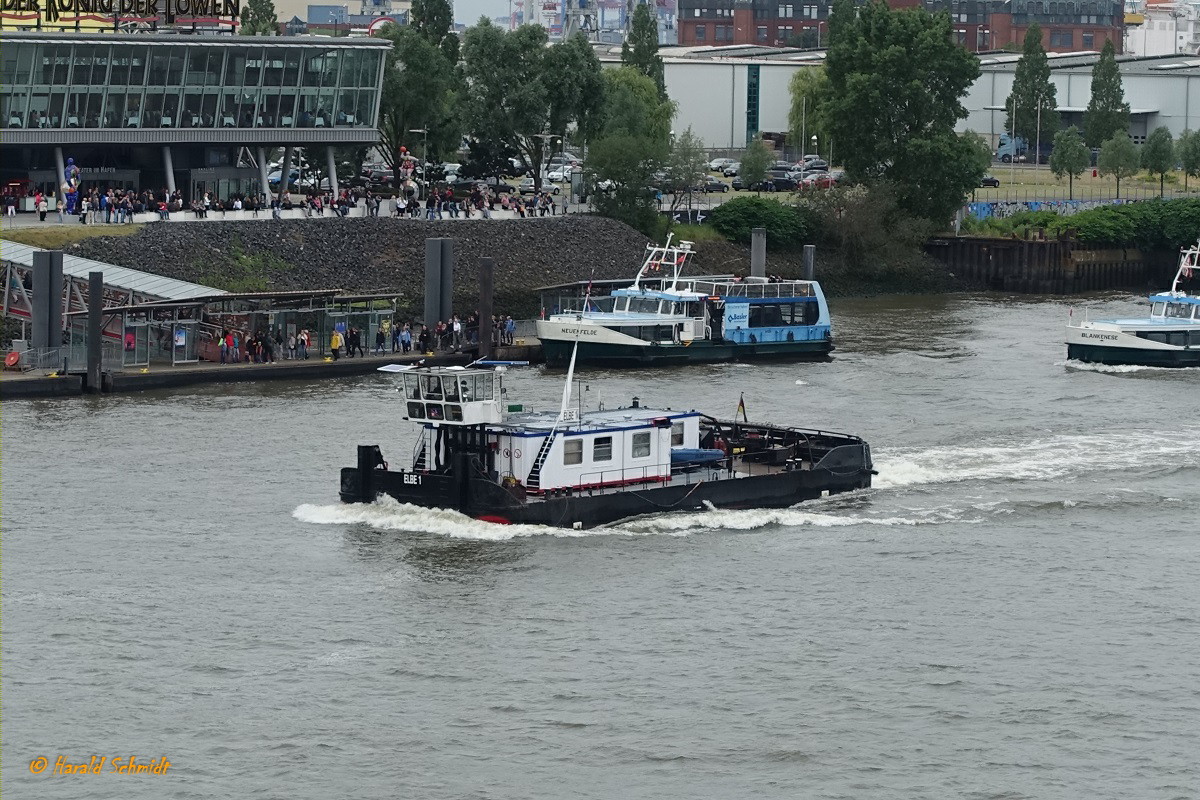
[541, 172]
[820, 22]
[814, 146]
[424, 157]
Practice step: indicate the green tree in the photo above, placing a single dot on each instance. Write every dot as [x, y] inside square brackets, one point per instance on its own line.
[434, 20]
[1107, 112]
[420, 91]
[1187, 151]
[1033, 95]
[755, 161]
[896, 83]
[519, 92]
[640, 49]
[633, 142]
[1119, 158]
[1070, 156]
[809, 90]
[1158, 155]
[687, 166]
[258, 19]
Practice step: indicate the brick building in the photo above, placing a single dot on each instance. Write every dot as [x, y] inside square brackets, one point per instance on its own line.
[979, 25]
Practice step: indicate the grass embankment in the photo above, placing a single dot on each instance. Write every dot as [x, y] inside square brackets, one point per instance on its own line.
[59, 236]
[1025, 182]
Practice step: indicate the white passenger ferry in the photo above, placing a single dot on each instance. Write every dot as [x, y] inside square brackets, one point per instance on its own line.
[666, 318]
[1169, 337]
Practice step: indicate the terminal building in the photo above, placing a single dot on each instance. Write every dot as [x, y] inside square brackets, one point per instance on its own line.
[174, 110]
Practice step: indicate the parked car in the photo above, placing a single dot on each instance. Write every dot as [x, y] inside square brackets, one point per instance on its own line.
[761, 186]
[989, 180]
[719, 164]
[714, 184]
[817, 164]
[527, 187]
[732, 169]
[561, 174]
[818, 180]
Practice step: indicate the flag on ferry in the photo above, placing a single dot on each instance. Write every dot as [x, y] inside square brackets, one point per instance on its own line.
[741, 409]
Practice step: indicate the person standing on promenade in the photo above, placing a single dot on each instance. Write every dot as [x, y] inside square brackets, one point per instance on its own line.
[42, 207]
[380, 341]
[225, 346]
[406, 339]
[302, 344]
[335, 344]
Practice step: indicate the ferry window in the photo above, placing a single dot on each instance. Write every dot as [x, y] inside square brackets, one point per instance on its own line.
[454, 413]
[434, 410]
[602, 449]
[573, 451]
[763, 315]
[451, 386]
[1179, 310]
[467, 389]
[412, 387]
[1178, 339]
[641, 443]
[486, 380]
[677, 434]
[1158, 309]
[416, 410]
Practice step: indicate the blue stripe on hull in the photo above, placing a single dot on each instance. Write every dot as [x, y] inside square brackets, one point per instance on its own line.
[557, 352]
[1121, 356]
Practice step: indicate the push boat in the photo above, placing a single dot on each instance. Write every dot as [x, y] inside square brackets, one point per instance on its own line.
[1169, 337]
[575, 468]
[664, 318]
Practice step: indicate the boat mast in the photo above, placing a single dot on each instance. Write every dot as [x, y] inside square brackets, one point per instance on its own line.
[651, 251]
[1187, 263]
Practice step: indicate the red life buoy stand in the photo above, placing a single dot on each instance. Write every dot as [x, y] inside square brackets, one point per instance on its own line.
[12, 359]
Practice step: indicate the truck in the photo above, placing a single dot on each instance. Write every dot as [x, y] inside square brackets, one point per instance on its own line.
[1016, 148]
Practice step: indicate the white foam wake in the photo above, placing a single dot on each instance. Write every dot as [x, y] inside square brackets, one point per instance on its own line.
[391, 515]
[1039, 459]
[1120, 369]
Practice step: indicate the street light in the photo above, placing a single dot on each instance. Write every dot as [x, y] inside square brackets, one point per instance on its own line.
[820, 22]
[424, 157]
[542, 138]
[814, 146]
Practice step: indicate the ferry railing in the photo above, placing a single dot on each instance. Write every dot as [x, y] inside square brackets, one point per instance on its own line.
[69, 358]
[754, 290]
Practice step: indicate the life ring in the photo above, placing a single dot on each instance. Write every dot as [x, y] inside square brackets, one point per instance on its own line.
[12, 359]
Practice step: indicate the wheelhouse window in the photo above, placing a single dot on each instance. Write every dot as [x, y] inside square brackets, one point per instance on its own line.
[602, 449]
[1158, 309]
[573, 451]
[641, 445]
[677, 434]
[1180, 310]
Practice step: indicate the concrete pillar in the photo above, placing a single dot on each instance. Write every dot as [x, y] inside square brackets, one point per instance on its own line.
[61, 166]
[169, 167]
[487, 283]
[810, 259]
[331, 163]
[758, 252]
[94, 332]
[262, 172]
[46, 314]
[447, 287]
[433, 282]
[285, 170]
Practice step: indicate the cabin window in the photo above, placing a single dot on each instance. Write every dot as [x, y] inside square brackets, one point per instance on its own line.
[486, 380]
[412, 387]
[602, 449]
[1179, 339]
[1158, 309]
[451, 386]
[432, 387]
[573, 451]
[641, 444]
[677, 434]
[416, 410]
[454, 413]
[1179, 310]
[433, 410]
[466, 389]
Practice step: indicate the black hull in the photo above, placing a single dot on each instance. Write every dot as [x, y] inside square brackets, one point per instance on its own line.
[483, 499]
[1130, 356]
[557, 353]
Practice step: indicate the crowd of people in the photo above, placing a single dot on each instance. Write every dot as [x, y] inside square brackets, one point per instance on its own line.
[393, 337]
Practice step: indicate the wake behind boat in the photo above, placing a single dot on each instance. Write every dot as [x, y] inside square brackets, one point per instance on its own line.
[481, 456]
[1169, 337]
[664, 318]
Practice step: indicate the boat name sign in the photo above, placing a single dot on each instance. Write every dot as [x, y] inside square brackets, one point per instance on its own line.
[1107, 337]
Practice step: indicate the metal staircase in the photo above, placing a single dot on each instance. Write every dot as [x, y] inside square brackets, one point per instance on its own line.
[534, 484]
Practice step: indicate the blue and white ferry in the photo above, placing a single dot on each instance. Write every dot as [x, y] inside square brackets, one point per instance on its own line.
[664, 318]
[1169, 337]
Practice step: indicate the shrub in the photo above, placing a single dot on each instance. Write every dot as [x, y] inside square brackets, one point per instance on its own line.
[787, 226]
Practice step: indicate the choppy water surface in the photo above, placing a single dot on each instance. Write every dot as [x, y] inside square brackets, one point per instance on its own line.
[1012, 612]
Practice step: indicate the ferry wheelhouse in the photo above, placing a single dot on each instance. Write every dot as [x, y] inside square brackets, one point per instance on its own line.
[490, 459]
[665, 318]
[1169, 337]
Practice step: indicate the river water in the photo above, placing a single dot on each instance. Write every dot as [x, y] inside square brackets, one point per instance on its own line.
[1012, 612]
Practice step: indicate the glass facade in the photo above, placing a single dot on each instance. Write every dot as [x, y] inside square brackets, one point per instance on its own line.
[131, 83]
